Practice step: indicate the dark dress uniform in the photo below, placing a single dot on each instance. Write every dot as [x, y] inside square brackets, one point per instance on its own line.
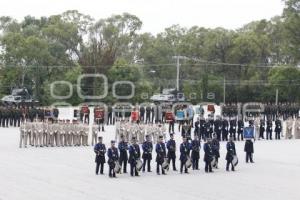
[197, 129]
[240, 129]
[230, 153]
[211, 127]
[202, 129]
[123, 147]
[185, 148]
[195, 153]
[0, 116]
[100, 151]
[148, 114]
[278, 129]
[134, 155]
[160, 156]
[269, 129]
[216, 148]
[225, 130]
[249, 149]
[113, 156]
[206, 130]
[147, 155]
[142, 113]
[171, 146]
[208, 156]
[232, 130]
[218, 128]
[262, 129]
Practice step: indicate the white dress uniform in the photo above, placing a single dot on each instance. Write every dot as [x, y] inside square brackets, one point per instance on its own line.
[95, 130]
[45, 134]
[297, 129]
[289, 128]
[23, 135]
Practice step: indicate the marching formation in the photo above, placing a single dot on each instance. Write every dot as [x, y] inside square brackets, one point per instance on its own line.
[139, 157]
[49, 134]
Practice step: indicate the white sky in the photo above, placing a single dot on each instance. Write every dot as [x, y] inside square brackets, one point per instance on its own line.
[155, 14]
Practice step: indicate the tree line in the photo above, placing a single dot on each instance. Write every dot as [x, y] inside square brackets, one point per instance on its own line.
[252, 62]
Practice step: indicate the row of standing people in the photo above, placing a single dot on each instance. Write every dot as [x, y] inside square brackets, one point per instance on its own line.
[165, 155]
[13, 116]
[49, 134]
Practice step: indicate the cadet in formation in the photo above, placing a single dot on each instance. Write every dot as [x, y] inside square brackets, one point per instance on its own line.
[231, 152]
[147, 153]
[113, 156]
[100, 151]
[160, 155]
[249, 149]
[171, 146]
[184, 155]
[134, 157]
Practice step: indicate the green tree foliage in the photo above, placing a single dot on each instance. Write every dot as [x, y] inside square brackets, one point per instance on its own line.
[37, 51]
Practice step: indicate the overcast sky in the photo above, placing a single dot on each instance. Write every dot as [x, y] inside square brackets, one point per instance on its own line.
[155, 14]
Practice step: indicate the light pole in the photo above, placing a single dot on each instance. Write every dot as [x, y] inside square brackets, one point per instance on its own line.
[178, 69]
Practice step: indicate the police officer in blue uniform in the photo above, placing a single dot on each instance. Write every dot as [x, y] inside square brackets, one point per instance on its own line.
[185, 148]
[123, 147]
[208, 155]
[171, 146]
[113, 156]
[147, 153]
[100, 151]
[196, 145]
[134, 155]
[231, 152]
[160, 155]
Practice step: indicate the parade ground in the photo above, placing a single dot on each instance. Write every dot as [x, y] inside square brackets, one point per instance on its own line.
[69, 173]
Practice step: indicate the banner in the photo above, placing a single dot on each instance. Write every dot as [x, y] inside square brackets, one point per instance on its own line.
[99, 113]
[211, 108]
[180, 115]
[169, 116]
[134, 116]
[248, 132]
[190, 113]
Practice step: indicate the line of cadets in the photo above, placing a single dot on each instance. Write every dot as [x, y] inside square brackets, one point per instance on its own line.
[165, 153]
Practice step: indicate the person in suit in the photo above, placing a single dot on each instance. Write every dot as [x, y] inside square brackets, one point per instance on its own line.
[100, 151]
